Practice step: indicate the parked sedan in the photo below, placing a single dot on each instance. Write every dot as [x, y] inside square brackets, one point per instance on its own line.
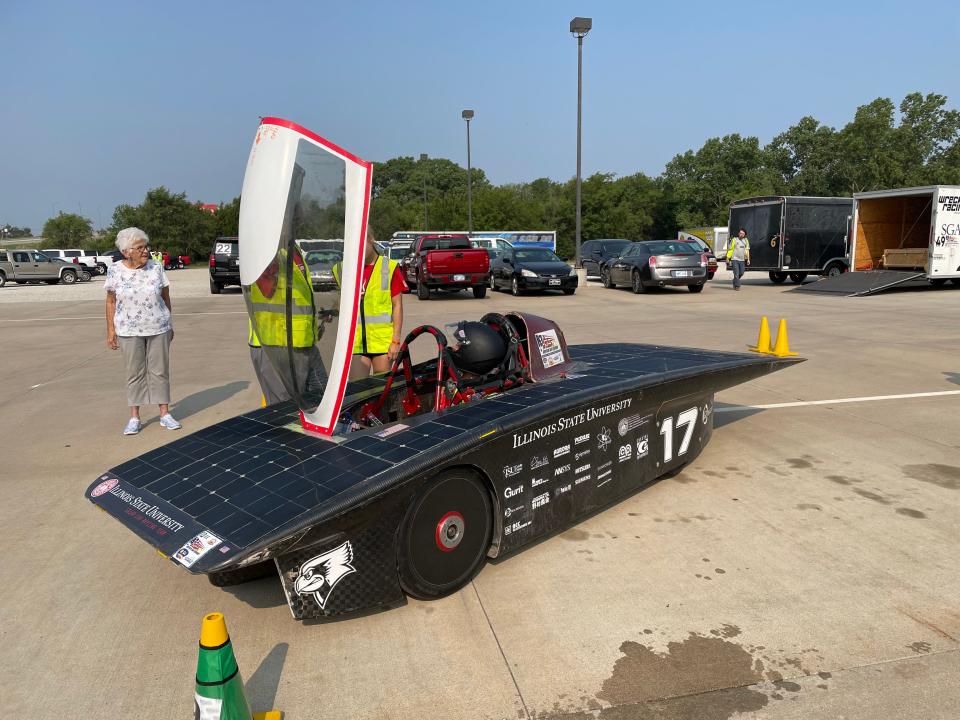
[320, 263]
[521, 269]
[594, 253]
[701, 246]
[655, 263]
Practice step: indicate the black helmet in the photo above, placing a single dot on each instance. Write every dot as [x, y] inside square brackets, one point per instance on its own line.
[481, 348]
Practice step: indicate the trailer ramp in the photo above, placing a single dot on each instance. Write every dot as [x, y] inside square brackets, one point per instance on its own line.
[869, 282]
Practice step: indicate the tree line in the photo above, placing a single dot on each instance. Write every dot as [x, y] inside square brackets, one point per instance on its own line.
[883, 146]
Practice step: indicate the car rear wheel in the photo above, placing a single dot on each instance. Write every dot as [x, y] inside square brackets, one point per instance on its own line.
[3, 279]
[636, 283]
[101, 269]
[778, 277]
[569, 291]
[423, 291]
[445, 535]
[695, 288]
[710, 275]
[215, 287]
[515, 288]
[493, 283]
[605, 278]
[797, 278]
[69, 277]
[479, 291]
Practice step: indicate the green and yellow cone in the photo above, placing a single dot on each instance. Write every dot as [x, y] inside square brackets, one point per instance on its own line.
[219, 689]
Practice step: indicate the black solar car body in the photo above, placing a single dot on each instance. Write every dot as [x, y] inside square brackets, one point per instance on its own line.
[360, 493]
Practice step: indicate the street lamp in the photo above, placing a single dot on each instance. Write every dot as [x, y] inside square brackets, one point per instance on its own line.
[423, 157]
[579, 27]
[468, 116]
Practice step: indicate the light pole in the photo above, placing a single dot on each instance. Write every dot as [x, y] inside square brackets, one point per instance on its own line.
[423, 157]
[468, 116]
[579, 27]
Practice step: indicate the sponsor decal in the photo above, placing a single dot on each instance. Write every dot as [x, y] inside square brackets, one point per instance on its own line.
[605, 465]
[567, 422]
[581, 454]
[551, 352]
[539, 462]
[511, 510]
[512, 491]
[581, 469]
[196, 548]
[949, 203]
[561, 470]
[604, 477]
[706, 412]
[561, 490]
[519, 525]
[104, 487]
[625, 452]
[225, 549]
[393, 430]
[512, 470]
[604, 439]
[582, 479]
[561, 451]
[643, 446]
[538, 481]
[318, 576]
[630, 423]
[540, 500]
[580, 439]
[151, 511]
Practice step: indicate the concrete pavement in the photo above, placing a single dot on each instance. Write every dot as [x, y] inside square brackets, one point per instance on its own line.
[803, 566]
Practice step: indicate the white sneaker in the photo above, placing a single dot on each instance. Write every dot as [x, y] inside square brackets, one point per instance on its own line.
[133, 426]
[169, 422]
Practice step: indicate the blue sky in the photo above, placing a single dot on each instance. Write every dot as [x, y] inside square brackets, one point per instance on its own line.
[102, 101]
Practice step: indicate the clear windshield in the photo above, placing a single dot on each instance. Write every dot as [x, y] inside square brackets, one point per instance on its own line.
[300, 190]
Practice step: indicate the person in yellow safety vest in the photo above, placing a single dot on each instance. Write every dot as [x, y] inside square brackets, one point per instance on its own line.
[377, 340]
[267, 328]
[738, 256]
[156, 256]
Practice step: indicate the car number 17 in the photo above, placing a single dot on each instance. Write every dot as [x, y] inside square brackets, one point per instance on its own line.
[687, 419]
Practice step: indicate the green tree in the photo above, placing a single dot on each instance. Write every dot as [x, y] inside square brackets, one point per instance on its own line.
[174, 224]
[227, 219]
[67, 230]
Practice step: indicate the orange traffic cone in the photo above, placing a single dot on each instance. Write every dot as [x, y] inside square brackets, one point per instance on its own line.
[782, 347]
[763, 339]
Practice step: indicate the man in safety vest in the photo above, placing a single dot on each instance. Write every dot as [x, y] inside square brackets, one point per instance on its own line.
[267, 330]
[738, 256]
[377, 340]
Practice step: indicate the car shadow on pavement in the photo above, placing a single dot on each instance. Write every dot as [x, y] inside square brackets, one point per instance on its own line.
[199, 401]
[726, 413]
[953, 377]
[261, 687]
[261, 594]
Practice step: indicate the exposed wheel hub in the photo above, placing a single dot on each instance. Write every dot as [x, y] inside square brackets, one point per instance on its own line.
[450, 531]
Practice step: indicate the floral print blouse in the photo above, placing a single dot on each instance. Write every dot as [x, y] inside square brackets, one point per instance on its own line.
[140, 309]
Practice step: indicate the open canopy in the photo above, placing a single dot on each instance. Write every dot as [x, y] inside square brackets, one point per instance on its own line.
[299, 188]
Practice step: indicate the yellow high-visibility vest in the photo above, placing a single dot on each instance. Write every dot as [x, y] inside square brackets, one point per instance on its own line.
[375, 326]
[270, 314]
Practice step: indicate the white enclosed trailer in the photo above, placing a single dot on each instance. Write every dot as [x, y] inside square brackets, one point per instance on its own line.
[912, 230]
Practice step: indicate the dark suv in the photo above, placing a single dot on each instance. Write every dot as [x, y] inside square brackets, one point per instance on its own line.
[593, 253]
[224, 264]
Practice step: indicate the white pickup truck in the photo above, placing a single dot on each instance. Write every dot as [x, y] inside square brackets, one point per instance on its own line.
[97, 264]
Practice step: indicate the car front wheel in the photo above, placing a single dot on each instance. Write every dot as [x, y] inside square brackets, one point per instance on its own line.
[445, 535]
[605, 279]
[514, 287]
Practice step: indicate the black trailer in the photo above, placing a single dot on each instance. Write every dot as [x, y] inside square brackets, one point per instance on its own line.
[795, 236]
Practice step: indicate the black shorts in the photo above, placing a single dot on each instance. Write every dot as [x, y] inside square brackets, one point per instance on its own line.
[371, 355]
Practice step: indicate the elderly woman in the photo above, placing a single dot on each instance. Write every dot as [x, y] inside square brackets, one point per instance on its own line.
[138, 322]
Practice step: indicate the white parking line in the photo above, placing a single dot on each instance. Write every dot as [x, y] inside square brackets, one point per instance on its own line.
[836, 401]
[100, 317]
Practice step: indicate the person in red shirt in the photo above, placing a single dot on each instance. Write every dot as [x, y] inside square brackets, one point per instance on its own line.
[365, 363]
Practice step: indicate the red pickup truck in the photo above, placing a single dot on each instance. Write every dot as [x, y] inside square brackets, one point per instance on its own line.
[446, 262]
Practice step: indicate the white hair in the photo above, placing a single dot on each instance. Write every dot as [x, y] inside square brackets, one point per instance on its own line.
[128, 236]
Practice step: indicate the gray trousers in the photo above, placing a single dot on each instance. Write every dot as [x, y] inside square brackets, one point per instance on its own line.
[148, 369]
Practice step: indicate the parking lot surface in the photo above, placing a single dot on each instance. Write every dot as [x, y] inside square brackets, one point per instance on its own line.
[804, 566]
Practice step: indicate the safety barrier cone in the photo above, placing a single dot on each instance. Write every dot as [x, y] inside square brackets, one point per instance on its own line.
[219, 689]
[763, 339]
[782, 347]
